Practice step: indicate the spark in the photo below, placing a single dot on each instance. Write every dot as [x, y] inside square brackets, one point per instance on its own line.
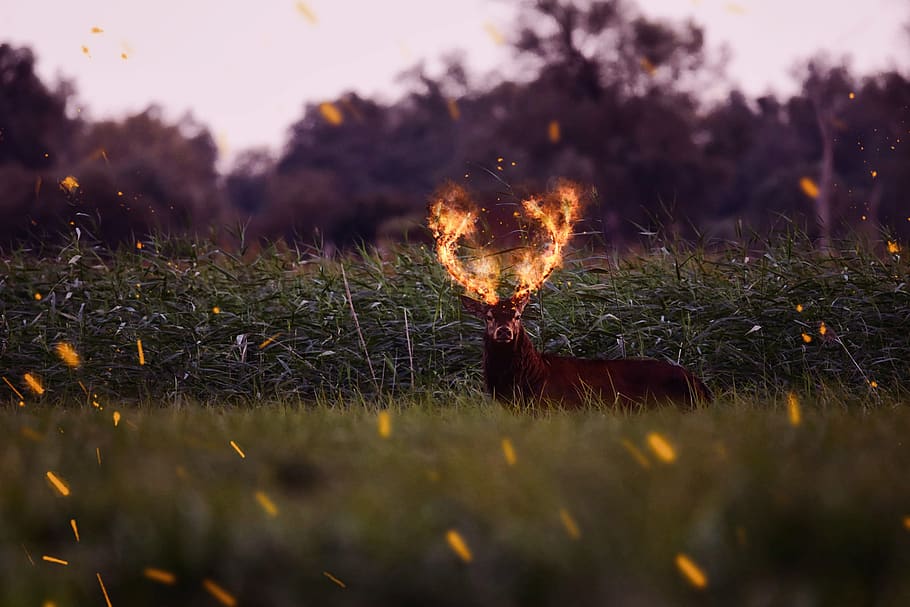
[107, 599]
[238, 450]
[793, 410]
[458, 545]
[38, 295]
[221, 595]
[569, 523]
[86, 52]
[873, 384]
[306, 11]
[75, 528]
[508, 451]
[494, 33]
[693, 574]
[807, 338]
[268, 341]
[33, 383]
[852, 95]
[97, 30]
[331, 113]
[809, 187]
[98, 454]
[637, 454]
[141, 353]
[58, 484]
[159, 575]
[138, 242]
[661, 448]
[799, 307]
[116, 417]
[553, 131]
[267, 504]
[54, 559]
[893, 247]
[334, 579]
[13, 388]
[216, 310]
[822, 328]
[874, 174]
[384, 424]
[452, 106]
[67, 354]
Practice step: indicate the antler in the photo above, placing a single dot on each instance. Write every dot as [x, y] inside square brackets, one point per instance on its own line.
[556, 213]
[451, 219]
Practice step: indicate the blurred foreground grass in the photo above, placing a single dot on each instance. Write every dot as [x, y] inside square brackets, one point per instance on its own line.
[594, 510]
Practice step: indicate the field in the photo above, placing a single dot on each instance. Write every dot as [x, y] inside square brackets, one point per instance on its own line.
[300, 430]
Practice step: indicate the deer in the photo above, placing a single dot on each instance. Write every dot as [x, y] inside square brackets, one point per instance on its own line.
[515, 372]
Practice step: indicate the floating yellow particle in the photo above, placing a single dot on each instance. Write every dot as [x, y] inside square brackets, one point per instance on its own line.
[306, 11]
[799, 307]
[216, 310]
[852, 95]
[569, 523]
[693, 574]
[107, 599]
[86, 51]
[874, 174]
[160, 575]
[809, 187]
[268, 341]
[636, 454]
[873, 384]
[13, 388]
[334, 579]
[238, 450]
[54, 559]
[331, 113]
[494, 33]
[97, 30]
[454, 112]
[267, 504]
[34, 383]
[116, 417]
[508, 451]
[735, 9]
[221, 595]
[141, 353]
[553, 131]
[67, 354]
[893, 247]
[98, 454]
[75, 528]
[58, 484]
[458, 545]
[793, 411]
[138, 242]
[661, 448]
[37, 296]
[822, 328]
[807, 338]
[384, 424]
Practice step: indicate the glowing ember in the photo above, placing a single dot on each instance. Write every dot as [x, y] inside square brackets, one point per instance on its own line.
[37, 296]
[893, 247]
[54, 559]
[116, 417]
[67, 354]
[75, 528]
[221, 595]
[569, 523]
[508, 451]
[809, 187]
[107, 599]
[306, 11]
[58, 484]
[793, 409]
[384, 423]
[451, 219]
[693, 574]
[334, 579]
[97, 30]
[86, 52]
[661, 447]
[34, 383]
[216, 310]
[806, 338]
[452, 106]
[553, 131]
[159, 575]
[268, 341]
[458, 545]
[799, 307]
[238, 450]
[267, 504]
[822, 328]
[636, 454]
[13, 388]
[331, 113]
[494, 33]
[556, 213]
[141, 353]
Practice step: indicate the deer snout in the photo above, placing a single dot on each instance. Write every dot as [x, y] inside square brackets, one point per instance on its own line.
[503, 334]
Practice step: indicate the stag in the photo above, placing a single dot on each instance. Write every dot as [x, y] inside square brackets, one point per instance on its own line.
[514, 370]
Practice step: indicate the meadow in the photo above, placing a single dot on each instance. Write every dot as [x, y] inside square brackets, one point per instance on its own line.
[296, 429]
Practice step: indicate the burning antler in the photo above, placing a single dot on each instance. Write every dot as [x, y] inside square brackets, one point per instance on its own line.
[452, 218]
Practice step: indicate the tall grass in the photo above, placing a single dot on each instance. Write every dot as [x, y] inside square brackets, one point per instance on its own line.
[217, 327]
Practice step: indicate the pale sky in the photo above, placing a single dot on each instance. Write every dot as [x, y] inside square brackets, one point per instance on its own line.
[245, 69]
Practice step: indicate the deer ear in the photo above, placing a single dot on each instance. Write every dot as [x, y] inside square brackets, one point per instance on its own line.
[473, 306]
[521, 301]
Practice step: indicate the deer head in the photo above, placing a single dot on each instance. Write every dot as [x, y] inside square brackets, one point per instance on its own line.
[503, 318]
[453, 217]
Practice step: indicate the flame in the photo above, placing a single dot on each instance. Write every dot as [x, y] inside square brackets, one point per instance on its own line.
[451, 219]
[556, 213]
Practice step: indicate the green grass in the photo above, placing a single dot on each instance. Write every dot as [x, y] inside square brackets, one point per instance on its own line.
[773, 513]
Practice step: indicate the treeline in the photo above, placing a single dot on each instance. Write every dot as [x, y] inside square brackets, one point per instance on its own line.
[608, 98]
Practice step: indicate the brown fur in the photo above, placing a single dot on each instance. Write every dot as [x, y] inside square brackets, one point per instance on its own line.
[516, 372]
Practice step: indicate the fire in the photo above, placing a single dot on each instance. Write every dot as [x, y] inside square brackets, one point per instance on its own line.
[453, 217]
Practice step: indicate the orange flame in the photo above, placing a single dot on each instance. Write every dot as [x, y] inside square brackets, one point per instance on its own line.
[451, 219]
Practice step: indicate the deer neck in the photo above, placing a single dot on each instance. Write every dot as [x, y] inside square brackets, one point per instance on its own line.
[513, 367]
